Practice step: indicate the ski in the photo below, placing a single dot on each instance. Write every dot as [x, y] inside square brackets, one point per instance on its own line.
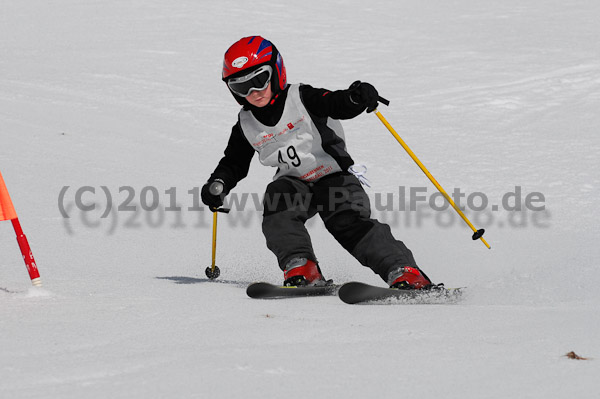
[356, 293]
[272, 291]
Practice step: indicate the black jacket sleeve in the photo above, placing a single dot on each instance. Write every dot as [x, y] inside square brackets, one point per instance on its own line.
[333, 104]
[234, 166]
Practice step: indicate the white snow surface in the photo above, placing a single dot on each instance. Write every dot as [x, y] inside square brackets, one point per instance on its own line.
[489, 95]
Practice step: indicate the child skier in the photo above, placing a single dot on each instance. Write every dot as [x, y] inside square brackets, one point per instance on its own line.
[296, 128]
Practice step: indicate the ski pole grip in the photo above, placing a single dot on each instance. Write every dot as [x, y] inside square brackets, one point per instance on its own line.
[222, 210]
[383, 100]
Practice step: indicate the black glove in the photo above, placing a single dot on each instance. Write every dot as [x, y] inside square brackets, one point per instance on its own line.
[364, 94]
[213, 193]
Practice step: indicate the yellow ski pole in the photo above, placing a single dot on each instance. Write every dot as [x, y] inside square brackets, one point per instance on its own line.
[477, 234]
[213, 271]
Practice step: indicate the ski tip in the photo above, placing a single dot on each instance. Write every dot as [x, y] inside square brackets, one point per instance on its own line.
[347, 292]
[256, 290]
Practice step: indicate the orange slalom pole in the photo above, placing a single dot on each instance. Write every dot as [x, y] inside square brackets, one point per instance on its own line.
[7, 209]
[34, 274]
[7, 212]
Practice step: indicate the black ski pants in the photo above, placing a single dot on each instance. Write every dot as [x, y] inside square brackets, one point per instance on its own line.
[344, 207]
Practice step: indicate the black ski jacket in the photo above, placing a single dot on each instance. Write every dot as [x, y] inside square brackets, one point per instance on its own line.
[234, 166]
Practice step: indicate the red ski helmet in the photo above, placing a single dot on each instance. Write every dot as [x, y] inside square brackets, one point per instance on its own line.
[250, 53]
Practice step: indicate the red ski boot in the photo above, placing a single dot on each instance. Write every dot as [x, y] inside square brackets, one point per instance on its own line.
[408, 278]
[302, 271]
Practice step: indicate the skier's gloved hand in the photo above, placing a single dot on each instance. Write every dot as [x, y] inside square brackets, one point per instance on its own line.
[364, 94]
[213, 193]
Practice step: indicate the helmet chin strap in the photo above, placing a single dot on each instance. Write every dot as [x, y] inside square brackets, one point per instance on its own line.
[273, 99]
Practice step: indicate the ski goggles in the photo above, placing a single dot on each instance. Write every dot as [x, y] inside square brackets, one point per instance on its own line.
[256, 80]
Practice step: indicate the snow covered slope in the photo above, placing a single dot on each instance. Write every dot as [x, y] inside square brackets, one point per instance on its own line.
[126, 98]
